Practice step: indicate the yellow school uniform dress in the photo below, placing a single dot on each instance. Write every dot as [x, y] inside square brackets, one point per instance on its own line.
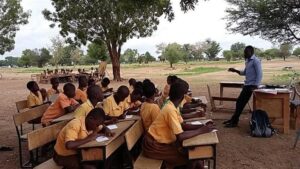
[80, 95]
[56, 109]
[149, 112]
[33, 100]
[167, 125]
[51, 92]
[74, 130]
[130, 104]
[84, 109]
[111, 108]
[186, 99]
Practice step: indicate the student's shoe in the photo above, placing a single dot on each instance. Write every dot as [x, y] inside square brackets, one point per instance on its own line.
[227, 121]
[231, 125]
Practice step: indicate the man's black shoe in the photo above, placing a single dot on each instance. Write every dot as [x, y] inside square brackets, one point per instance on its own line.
[231, 125]
[227, 121]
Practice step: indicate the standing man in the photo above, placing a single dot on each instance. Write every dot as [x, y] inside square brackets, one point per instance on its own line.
[102, 68]
[253, 73]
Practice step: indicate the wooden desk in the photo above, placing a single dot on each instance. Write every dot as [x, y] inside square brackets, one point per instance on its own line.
[203, 147]
[276, 105]
[95, 151]
[228, 84]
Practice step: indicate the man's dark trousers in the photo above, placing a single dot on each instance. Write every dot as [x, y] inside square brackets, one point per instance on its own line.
[241, 102]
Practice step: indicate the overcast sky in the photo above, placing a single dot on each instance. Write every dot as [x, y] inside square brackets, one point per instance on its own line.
[202, 23]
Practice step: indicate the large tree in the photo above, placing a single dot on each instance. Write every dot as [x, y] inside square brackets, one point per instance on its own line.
[11, 17]
[285, 50]
[274, 20]
[237, 50]
[97, 51]
[296, 52]
[173, 53]
[130, 56]
[111, 21]
[213, 49]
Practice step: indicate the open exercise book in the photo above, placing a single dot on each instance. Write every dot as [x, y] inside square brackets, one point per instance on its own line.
[273, 91]
[202, 122]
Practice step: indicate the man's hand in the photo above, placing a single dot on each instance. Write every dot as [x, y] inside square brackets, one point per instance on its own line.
[232, 70]
[94, 135]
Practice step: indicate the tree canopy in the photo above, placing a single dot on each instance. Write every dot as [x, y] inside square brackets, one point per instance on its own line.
[274, 20]
[213, 49]
[11, 17]
[173, 53]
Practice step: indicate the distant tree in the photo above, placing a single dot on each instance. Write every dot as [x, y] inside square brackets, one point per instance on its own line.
[67, 54]
[87, 60]
[198, 49]
[130, 55]
[227, 55]
[297, 52]
[76, 56]
[237, 50]
[159, 50]
[11, 61]
[173, 53]
[149, 58]
[187, 53]
[11, 17]
[272, 53]
[29, 58]
[274, 20]
[43, 57]
[213, 49]
[57, 50]
[141, 58]
[97, 51]
[285, 50]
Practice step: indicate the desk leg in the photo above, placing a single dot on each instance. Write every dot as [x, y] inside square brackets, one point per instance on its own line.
[215, 156]
[221, 93]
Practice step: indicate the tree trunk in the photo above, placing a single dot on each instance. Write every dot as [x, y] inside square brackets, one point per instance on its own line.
[114, 53]
[171, 64]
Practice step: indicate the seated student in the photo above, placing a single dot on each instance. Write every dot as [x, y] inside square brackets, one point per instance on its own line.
[76, 133]
[35, 97]
[63, 104]
[165, 94]
[189, 104]
[149, 110]
[95, 96]
[133, 101]
[168, 131]
[54, 89]
[114, 106]
[104, 85]
[131, 82]
[91, 82]
[80, 94]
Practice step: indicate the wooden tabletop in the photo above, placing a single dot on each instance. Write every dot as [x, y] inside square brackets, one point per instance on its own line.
[202, 139]
[231, 82]
[195, 119]
[65, 117]
[122, 127]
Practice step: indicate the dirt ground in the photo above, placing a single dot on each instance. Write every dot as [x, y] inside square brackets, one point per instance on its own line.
[237, 150]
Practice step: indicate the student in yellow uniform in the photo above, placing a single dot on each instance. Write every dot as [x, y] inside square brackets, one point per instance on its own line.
[168, 131]
[149, 110]
[165, 94]
[95, 96]
[133, 101]
[63, 104]
[115, 105]
[104, 85]
[81, 95]
[54, 89]
[76, 133]
[131, 82]
[35, 97]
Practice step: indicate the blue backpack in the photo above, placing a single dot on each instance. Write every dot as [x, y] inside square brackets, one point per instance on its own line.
[260, 125]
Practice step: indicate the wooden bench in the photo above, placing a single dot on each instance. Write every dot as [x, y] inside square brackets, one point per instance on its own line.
[219, 98]
[23, 117]
[43, 136]
[131, 137]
